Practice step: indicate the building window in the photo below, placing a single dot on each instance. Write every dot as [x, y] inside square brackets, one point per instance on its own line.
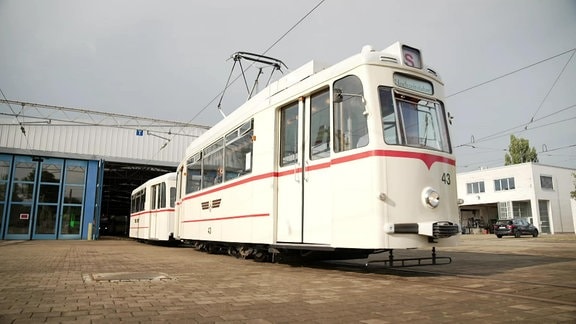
[505, 210]
[475, 187]
[504, 184]
[546, 182]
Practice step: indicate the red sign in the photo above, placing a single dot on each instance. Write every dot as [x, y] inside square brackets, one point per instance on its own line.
[24, 216]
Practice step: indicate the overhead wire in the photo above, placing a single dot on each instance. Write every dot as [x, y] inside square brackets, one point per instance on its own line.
[294, 26]
[510, 73]
[536, 127]
[532, 120]
[22, 129]
[523, 125]
[263, 53]
[229, 83]
[557, 148]
[506, 149]
[551, 88]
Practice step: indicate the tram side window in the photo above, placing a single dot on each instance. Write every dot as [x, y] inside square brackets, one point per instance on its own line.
[289, 134]
[138, 200]
[238, 151]
[178, 193]
[134, 205]
[172, 196]
[320, 125]
[153, 199]
[213, 164]
[350, 123]
[388, 116]
[194, 173]
[162, 195]
[142, 200]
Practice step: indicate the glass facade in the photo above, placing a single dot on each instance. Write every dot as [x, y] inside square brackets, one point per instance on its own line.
[45, 198]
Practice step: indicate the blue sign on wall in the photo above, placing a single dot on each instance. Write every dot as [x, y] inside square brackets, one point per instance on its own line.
[139, 132]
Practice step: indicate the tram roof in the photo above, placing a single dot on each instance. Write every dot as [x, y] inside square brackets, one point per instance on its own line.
[305, 78]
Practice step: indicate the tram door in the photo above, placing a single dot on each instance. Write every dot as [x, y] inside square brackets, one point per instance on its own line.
[153, 214]
[304, 196]
[180, 189]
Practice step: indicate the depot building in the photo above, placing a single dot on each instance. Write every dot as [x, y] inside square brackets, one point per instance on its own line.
[68, 173]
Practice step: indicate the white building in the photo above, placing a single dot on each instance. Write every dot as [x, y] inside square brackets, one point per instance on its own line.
[537, 192]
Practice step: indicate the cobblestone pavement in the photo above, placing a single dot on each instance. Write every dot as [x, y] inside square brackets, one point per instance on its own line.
[116, 281]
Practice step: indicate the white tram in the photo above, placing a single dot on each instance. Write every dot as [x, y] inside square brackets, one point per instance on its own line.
[152, 209]
[354, 157]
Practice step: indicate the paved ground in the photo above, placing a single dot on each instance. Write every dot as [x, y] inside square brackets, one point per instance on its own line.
[111, 281]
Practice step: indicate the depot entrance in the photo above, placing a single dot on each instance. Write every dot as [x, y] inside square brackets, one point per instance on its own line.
[118, 182]
[59, 198]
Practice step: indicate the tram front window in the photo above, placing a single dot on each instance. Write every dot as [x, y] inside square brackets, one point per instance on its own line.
[412, 121]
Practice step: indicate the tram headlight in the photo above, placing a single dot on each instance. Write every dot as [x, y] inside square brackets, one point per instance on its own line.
[431, 197]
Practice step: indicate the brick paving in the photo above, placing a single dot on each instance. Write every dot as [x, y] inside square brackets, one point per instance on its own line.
[121, 281]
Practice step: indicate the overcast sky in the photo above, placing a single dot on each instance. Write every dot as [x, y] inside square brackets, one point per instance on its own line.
[169, 59]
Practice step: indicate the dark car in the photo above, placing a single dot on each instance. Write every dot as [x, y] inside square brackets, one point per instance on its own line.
[516, 227]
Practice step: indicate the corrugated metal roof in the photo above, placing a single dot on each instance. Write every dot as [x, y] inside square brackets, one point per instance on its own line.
[57, 131]
[98, 142]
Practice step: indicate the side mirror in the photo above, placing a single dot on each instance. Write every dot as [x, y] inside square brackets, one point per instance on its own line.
[339, 96]
[450, 117]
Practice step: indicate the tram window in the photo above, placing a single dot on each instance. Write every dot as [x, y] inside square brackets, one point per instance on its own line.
[238, 152]
[136, 198]
[141, 200]
[172, 196]
[423, 123]
[289, 134]
[350, 123]
[135, 202]
[194, 173]
[388, 116]
[413, 121]
[212, 164]
[153, 198]
[320, 125]
[162, 196]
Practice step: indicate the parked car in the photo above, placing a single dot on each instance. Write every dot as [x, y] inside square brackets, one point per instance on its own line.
[516, 227]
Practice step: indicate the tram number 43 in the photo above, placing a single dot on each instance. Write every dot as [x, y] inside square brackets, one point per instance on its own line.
[446, 178]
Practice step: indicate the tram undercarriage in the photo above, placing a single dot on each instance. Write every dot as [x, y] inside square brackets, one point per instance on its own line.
[283, 254]
[392, 262]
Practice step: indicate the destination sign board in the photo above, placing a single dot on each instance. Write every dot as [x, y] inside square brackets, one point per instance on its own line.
[410, 83]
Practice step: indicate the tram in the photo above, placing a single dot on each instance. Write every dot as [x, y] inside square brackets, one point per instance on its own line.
[351, 158]
[152, 209]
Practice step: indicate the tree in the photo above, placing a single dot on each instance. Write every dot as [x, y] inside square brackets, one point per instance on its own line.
[519, 151]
